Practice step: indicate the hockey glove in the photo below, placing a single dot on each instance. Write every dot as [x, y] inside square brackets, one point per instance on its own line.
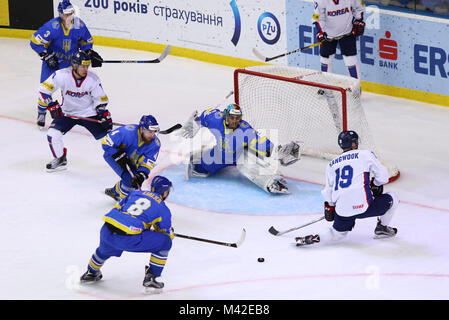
[322, 36]
[122, 160]
[376, 190]
[55, 110]
[329, 212]
[190, 127]
[358, 27]
[138, 179]
[288, 153]
[105, 117]
[95, 58]
[51, 59]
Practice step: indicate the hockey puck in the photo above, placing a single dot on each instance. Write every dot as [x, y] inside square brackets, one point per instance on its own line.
[261, 259]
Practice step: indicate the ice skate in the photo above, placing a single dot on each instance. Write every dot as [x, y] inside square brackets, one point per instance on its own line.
[150, 285]
[112, 193]
[89, 276]
[382, 231]
[278, 186]
[41, 121]
[310, 239]
[58, 164]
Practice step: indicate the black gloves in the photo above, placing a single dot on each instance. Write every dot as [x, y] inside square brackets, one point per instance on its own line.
[55, 110]
[329, 212]
[138, 179]
[95, 58]
[51, 59]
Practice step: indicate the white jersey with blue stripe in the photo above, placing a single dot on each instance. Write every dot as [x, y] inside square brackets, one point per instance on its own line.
[348, 181]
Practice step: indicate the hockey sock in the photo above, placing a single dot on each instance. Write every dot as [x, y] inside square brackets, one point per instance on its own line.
[157, 262]
[95, 262]
[351, 64]
[332, 235]
[326, 63]
[387, 216]
[54, 138]
[353, 71]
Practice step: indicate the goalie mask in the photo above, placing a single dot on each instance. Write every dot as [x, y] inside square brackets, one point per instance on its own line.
[233, 115]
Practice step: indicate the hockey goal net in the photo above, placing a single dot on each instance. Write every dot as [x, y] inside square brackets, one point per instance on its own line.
[309, 106]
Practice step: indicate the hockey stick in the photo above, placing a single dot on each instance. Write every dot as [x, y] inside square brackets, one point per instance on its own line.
[166, 131]
[227, 244]
[161, 57]
[266, 59]
[275, 232]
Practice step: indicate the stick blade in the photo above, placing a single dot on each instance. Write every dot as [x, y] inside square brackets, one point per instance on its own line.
[171, 129]
[273, 231]
[241, 240]
[259, 55]
[164, 53]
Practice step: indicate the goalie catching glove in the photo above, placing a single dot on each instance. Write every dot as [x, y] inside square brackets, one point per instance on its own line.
[190, 127]
[288, 153]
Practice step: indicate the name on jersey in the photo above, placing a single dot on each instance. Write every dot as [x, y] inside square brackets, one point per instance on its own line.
[76, 94]
[344, 157]
[338, 12]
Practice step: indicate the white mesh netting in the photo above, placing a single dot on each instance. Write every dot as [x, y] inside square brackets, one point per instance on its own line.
[299, 105]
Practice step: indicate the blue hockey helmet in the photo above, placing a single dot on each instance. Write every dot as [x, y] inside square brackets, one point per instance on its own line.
[81, 58]
[346, 138]
[149, 123]
[65, 7]
[159, 184]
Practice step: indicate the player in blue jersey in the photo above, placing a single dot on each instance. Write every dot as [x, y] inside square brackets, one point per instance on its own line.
[131, 151]
[57, 41]
[238, 144]
[139, 223]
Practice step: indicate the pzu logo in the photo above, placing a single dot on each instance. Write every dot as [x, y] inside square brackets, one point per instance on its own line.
[269, 28]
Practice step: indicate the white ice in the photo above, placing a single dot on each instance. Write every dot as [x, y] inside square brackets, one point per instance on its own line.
[50, 221]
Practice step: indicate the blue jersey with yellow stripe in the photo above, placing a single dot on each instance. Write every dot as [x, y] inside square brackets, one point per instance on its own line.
[230, 143]
[53, 37]
[139, 211]
[127, 138]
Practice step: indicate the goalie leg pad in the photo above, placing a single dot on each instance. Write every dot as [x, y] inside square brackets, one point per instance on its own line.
[261, 172]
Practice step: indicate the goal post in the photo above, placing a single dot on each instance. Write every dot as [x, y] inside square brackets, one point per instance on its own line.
[309, 106]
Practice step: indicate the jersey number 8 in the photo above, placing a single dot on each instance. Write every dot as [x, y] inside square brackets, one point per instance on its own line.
[139, 206]
[343, 179]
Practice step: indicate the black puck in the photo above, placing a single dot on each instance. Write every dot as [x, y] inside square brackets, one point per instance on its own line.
[261, 259]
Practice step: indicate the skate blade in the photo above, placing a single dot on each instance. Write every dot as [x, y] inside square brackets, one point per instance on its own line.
[151, 291]
[383, 236]
[56, 169]
[41, 128]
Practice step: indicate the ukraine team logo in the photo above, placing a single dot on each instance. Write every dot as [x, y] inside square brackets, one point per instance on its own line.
[66, 44]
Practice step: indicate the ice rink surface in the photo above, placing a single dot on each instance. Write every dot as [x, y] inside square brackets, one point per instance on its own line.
[50, 221]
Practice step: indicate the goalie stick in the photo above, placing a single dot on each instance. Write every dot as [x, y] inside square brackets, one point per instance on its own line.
[166, 131]
[275, 232]
[227, 244]
[159, 59]
[266, 59]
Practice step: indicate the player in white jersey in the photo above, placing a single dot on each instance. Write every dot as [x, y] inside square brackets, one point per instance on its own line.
[83, 103]
[341, 20]
[349, 194]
